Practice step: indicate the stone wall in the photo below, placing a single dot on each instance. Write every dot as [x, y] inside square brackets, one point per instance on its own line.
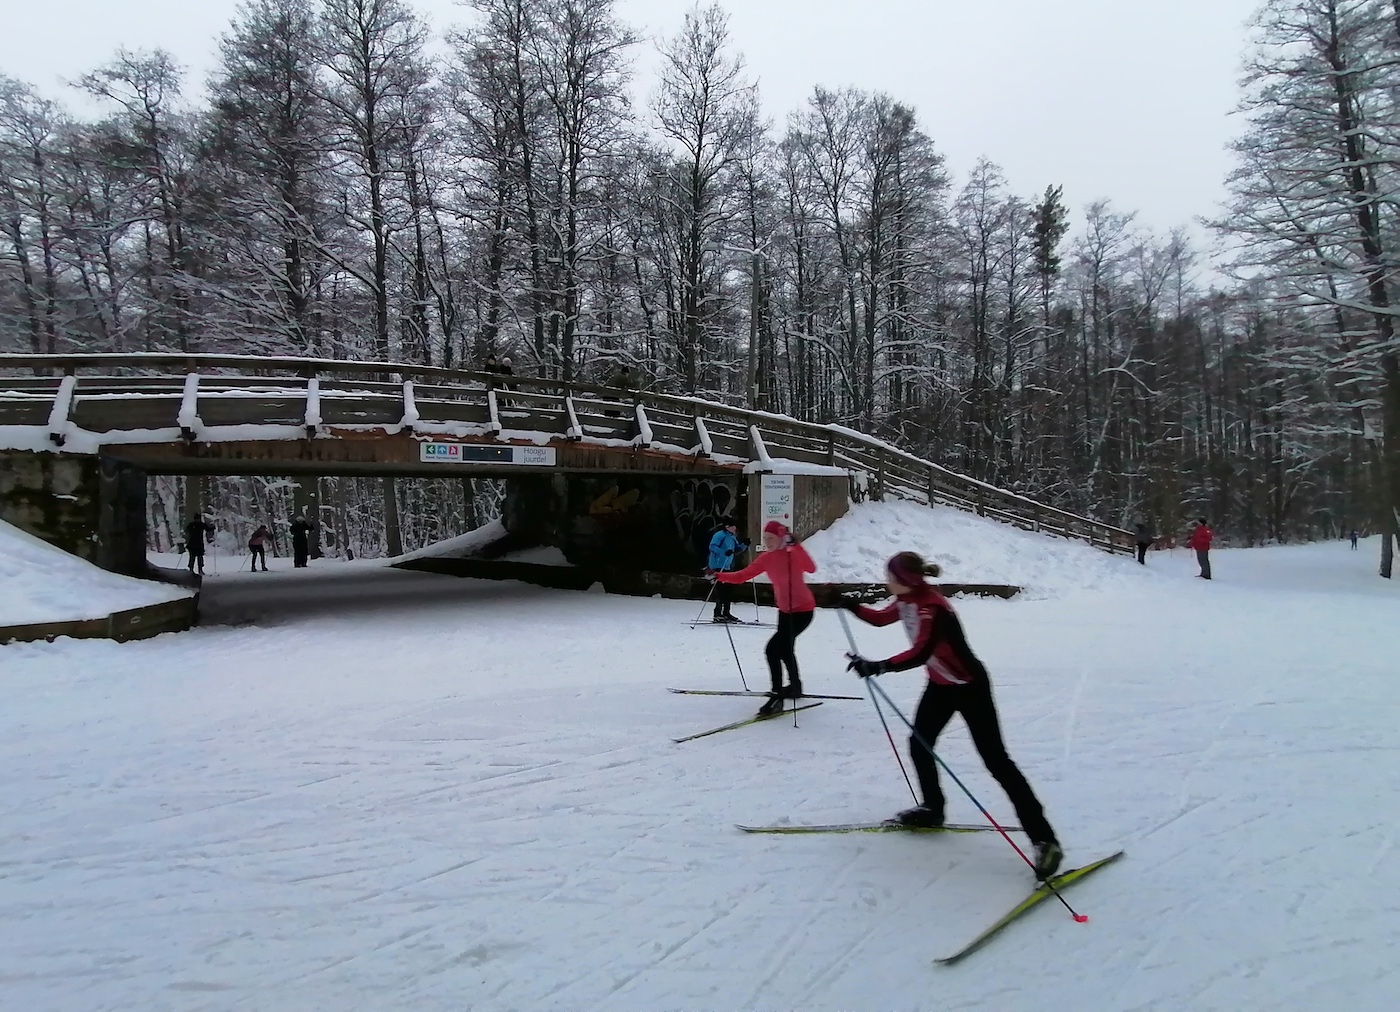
[53, 496]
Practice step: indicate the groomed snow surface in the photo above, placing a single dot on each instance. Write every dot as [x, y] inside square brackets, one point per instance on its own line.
[41, 583]
[360, 788]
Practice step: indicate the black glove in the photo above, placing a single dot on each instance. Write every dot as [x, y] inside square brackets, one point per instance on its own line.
[845, 603]
[865, 668]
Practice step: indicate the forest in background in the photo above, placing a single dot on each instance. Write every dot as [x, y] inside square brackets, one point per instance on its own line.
[342, 187]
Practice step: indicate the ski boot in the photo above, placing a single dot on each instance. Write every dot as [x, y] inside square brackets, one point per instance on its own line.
[773, 706]
[793, 690]
[1047, 859]
[919, 817]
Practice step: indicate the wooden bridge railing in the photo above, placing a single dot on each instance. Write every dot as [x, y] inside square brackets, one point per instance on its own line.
[189, 394]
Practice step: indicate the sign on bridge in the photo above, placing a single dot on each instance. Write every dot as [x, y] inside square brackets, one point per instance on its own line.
[486, 453]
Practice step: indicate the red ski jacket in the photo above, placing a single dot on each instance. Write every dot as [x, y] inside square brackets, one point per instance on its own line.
[935, 634]
[784, 567]
[1201, 538]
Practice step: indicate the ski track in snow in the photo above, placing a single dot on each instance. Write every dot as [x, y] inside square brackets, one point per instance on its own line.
[398, 791]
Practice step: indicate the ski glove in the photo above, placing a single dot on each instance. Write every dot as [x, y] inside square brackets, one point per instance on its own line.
[865, 668]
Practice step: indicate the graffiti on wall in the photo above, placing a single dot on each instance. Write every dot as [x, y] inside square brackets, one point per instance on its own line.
[700, 506]
[611, 508]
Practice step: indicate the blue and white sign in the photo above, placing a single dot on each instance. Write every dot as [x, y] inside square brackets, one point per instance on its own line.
[486, 453]
[775, 499]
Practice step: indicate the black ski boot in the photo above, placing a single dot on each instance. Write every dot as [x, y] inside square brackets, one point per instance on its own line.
[773, 707]
[919, 817]
[1047, 859]
[794, 690]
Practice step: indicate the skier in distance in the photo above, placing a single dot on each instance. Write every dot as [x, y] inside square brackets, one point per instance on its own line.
[957, 683]
[785, 561]
[724, 546]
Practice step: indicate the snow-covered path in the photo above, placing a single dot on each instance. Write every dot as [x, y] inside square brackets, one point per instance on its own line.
[409, 792]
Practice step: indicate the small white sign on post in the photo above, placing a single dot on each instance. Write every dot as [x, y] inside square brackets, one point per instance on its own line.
[486, 453]
[775, 499]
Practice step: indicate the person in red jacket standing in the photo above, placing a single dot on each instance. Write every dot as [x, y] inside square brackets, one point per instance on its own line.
[785, 562]
[1201, 538]
[957, 683]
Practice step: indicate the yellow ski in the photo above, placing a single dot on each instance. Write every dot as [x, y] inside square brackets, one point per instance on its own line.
[1042, 892]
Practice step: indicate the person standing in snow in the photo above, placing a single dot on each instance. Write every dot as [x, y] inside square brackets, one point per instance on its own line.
[301, 542]
[785, 562]
[1201, 538]
[957, 683]
[1353, 541]
[197, 532]
[257, 548]
[1143, 537]
[725, 547]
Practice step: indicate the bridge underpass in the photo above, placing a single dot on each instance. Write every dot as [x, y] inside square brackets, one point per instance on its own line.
[613, 478]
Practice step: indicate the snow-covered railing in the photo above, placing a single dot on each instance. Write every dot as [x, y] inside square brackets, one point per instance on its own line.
[135, 392]
[62, 408]
[410, 419]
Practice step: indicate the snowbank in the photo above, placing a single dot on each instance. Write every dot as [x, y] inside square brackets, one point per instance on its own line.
[971, 549]
[41, 583]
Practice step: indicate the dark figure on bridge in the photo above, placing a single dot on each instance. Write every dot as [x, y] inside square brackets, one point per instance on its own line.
[725, 548]
[301, 542]
[197, 532]
[257, 547]
[1143, 537]
[491, 365]
[785, 562]
[1201, 538]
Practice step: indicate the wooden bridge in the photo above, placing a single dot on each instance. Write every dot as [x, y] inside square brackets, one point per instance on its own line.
[233, 414]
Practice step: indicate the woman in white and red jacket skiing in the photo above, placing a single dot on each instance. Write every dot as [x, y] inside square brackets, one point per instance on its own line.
[785, 562]
[957, 683]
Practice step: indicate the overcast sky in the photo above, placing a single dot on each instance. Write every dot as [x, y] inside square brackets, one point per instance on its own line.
[1121, 99]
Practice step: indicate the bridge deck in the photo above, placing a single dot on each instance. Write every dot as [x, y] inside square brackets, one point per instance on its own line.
[243, 414]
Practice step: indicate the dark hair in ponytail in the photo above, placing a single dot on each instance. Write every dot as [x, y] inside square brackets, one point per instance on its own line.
[906, 565]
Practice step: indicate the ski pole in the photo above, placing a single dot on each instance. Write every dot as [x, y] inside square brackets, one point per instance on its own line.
[870, 684]
[732, 647]
[872, 687]
[703, 606]
[881, 714]
[757, 615]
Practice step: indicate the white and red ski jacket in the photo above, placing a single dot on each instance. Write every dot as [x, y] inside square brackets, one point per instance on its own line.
[935, 634]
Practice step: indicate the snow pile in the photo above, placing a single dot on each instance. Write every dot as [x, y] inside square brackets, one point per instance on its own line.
[971, 549]
[460, 547]
[41, 583]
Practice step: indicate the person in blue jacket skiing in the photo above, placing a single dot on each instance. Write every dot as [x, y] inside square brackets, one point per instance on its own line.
[725, 549]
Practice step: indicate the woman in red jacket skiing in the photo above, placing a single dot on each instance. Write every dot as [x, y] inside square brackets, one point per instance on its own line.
[957, 683]
[785, 562]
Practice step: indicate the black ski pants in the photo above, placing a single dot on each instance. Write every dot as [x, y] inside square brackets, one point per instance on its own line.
[257, 552]
[1142, 553]
[974, 702]
[723, 598]
[1203, 557]
[782, 648]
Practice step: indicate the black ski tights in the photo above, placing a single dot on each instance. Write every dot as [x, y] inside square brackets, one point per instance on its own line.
[974, 702]
[781, 648]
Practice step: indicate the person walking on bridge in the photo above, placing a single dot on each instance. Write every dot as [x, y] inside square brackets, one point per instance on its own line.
[725, 548]
[957, 683]
[785, 562]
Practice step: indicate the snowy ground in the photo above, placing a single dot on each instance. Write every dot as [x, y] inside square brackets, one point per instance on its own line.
[383, 790]
[41, 583]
